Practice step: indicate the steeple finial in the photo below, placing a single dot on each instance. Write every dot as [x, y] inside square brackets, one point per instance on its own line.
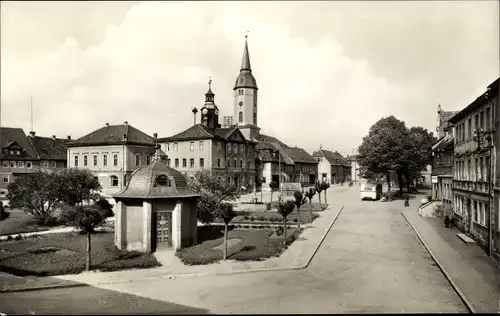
[245, 63]
[209, 83]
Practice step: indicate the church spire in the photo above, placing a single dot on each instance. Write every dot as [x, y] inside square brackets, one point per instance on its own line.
[209, 96]
[245, 63]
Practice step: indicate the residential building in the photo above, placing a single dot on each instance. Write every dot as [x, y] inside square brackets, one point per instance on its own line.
[474, 165]
[332, 166]
[224, 151]
[112, 153]
[442, 161]
[494, 97]
[23, 154]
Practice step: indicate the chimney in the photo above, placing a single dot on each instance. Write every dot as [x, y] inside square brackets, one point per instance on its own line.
[54, 137]
[155, 135]
[124, 139]
[69, 137]
[32, 134]
[126, 123]
[107, 124]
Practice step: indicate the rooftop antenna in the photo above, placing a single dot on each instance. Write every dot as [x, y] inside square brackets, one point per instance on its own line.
[31, 111]
[246, 35]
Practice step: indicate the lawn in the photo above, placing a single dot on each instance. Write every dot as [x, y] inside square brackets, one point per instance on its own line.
[315, 206]
[250, 245]
[55, 254]
[273, 217]
[19, 222]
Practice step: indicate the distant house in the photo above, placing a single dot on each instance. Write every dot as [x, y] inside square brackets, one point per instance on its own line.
[51, 151]
[333, 167]
[112, 153]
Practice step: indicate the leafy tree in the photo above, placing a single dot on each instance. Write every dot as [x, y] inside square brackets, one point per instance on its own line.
[227, 214]
[106, 207]
[87, 218]
[212, 195]
[325, 187]
[36, 193]
[300, 200]
[385, 148]
[273, 185]
[285, 209]
[309, 194]
[419, 154]
[319, 188]
[77, 186]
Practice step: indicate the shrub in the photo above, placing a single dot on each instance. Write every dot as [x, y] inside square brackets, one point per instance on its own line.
[246, 217]
[261, 218]
[295, 220]
[252, 218]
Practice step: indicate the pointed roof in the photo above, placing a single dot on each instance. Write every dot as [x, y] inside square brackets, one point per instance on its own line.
[49, 147]
[334, 158]
[245, 78]
[299, 155]
[16, 135]
[209, 92]
[113, 135]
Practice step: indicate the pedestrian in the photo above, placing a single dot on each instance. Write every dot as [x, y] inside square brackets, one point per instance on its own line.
[407, 201]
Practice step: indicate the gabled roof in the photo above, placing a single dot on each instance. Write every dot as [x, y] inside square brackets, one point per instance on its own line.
[270, 139]
[299, 155]
[447, 143]
[334, 158]
[113, 135]
[195, 132]
[49, 148]
[10, 135]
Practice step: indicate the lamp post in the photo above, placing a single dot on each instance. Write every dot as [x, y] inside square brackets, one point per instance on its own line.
[279, 168]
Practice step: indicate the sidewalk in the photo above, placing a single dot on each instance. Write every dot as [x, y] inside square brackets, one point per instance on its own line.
[467, 267]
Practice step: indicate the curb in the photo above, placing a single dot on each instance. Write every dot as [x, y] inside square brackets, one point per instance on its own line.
[189, 275]
[443, 270]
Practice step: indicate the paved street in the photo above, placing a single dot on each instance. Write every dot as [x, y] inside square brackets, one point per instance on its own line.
[371, 261]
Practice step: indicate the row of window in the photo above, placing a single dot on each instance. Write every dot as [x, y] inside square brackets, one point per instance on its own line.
[443, 159]
[479, 209]
[27, 164]
[466, 170]
[94, 160]
[202, 163]
[483, 120]
[230, 147]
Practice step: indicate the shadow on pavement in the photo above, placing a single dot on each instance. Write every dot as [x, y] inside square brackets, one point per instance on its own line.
[87, 300]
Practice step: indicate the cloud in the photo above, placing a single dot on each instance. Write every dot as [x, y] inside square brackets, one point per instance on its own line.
[153, 67]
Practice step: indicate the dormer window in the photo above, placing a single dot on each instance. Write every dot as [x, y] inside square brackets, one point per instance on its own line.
[162, 180]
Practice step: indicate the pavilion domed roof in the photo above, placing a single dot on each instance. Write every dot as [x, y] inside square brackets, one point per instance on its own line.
[156, 181]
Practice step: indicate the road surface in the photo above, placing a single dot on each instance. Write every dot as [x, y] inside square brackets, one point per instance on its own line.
[370, 262]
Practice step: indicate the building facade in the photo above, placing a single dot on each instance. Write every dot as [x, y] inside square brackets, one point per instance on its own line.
[22, 154]
[112, 153]
[474, 165]
[332, 167]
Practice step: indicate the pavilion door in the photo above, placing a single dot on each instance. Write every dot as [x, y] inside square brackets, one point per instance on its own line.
[163, 229]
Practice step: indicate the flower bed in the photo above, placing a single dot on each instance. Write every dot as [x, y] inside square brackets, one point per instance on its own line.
[256, 245]
[272, 217]
[65, 253]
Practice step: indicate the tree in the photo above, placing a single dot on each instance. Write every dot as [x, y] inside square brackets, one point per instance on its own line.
[309, 194]
[385, 148]
[87, 218]
[285, 209]
[319, 188]
[36, 193]
[213, 193]
[227, 214]
[300, 200]
[419, 154]
[77, 186]
[325, 187]
[273, 185]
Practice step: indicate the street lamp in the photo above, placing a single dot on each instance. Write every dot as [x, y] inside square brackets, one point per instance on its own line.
[279, 168]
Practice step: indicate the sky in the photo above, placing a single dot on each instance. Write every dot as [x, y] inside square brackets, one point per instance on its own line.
[326, 71]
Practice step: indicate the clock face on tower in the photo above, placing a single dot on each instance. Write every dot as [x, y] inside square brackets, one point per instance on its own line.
[204, 111]
[241, 103]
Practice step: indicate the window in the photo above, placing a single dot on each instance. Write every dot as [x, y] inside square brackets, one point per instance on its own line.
[241, 163]
[242, 148]
[29, 164]
[201, 145]
[115, 160]
[53, 164]
[476, 176]
[105, 160]
[486, 168]
[202, 163]
[168, 162]
[219, 145]
[475, 211]
[184, 163]
[137, 160]
[191, 146]
[235, 148]
[148, 159]
[248, 164]
[249, 180]
[162, 180]
[468, 170]
[20, 164]
[219, 179]
[476, 121]
[176, 146]
[255, 119]
[84, 161]
[229, 147]
[114, 180]
[18, 152]
[229, 163]
[167, 146]
[469, 128]
[487, 125]
[76, 161]
[218, 162]
[5, 179]
[45, 164]
[481, 169]
[177, 162]
[229, 180]
[5, 164]
[240, 117]
[481, 119]
[191, 163]
[235, 164]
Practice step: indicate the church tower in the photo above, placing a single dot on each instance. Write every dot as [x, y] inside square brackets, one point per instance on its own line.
[210, 111]
[245, 98]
